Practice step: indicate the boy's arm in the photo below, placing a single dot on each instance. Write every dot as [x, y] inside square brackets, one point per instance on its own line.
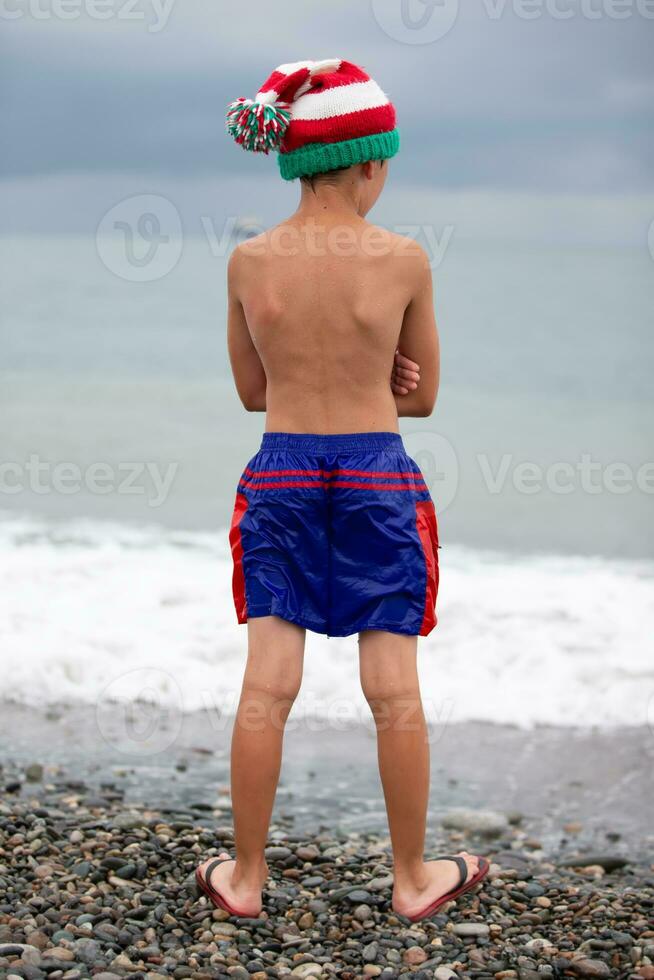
[249, 375]
[419, 341]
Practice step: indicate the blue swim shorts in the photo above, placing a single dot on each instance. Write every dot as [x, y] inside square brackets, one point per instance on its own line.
[336, 533]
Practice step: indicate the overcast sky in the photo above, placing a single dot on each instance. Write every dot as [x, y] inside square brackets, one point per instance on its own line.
[557, 103]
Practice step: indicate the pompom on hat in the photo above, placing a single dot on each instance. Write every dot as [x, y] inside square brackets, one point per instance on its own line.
[319, 116]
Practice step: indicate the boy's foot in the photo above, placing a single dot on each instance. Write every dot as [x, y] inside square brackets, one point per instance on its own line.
[241, 892]
[436, 879]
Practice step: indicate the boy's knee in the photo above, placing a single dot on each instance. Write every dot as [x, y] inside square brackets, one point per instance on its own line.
[386, 689]
[285, 688]
[263, 704]
[372, 687]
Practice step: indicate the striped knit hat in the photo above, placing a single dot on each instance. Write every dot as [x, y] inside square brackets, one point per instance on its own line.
[319, 115]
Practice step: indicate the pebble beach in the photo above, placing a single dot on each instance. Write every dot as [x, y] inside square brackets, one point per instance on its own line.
[94, 886]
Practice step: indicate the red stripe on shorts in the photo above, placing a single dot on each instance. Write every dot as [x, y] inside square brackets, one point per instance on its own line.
[325, 484]
[238, 577]
[428, 532]
[328, 474]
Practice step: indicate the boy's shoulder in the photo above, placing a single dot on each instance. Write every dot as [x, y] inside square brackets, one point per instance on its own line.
[396, 245]
[365, 239]
[246, 257]
[257, 247]
[251, 247]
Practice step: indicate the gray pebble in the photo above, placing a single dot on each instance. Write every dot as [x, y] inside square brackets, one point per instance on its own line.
[128, 821]
[475, 929]
[313, 882]
[486, 823]
[359, 895]
[369, 953]
[276, 853]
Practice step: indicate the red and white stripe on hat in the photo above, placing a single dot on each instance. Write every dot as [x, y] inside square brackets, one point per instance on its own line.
[329, 101]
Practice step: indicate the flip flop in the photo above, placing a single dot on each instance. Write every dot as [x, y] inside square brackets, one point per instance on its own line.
[204, 884]
[463, 886]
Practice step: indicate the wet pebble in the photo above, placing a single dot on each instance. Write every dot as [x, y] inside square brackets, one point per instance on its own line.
[103, 893]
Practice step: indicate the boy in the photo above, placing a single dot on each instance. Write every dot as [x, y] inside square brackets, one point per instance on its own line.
[334, 529]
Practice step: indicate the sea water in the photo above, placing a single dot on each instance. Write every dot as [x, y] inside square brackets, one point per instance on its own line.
[539, 457]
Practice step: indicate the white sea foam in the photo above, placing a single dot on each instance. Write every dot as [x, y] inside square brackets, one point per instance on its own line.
[90, 611]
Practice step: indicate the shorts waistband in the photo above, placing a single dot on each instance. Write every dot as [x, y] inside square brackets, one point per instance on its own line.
[348, 442]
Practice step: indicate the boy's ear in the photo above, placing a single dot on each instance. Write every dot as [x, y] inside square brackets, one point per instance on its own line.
[368, 169]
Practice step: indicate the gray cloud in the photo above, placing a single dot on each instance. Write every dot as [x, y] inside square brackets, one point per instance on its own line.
[505, 103]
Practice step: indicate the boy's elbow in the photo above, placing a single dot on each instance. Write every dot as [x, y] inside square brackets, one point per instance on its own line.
[416, 405]
[426, 405]
[253, 401]
[252, 405]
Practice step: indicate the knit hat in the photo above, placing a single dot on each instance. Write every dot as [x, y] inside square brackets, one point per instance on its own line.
[319, 115]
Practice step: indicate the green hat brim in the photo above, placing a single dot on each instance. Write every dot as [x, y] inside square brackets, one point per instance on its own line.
[316, 158]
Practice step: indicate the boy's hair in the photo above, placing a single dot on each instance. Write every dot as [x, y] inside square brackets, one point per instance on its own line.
[309, 180]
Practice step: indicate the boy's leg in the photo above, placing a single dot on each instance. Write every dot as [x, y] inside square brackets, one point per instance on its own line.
[389, 678]
[272, 680]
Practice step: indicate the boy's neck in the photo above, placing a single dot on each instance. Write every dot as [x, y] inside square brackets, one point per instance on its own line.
[340, 198]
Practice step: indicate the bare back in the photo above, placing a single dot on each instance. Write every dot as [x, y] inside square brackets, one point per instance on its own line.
[324, 303]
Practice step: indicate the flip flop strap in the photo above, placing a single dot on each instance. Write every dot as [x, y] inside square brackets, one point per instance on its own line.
[210, 869]
[462, 866]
